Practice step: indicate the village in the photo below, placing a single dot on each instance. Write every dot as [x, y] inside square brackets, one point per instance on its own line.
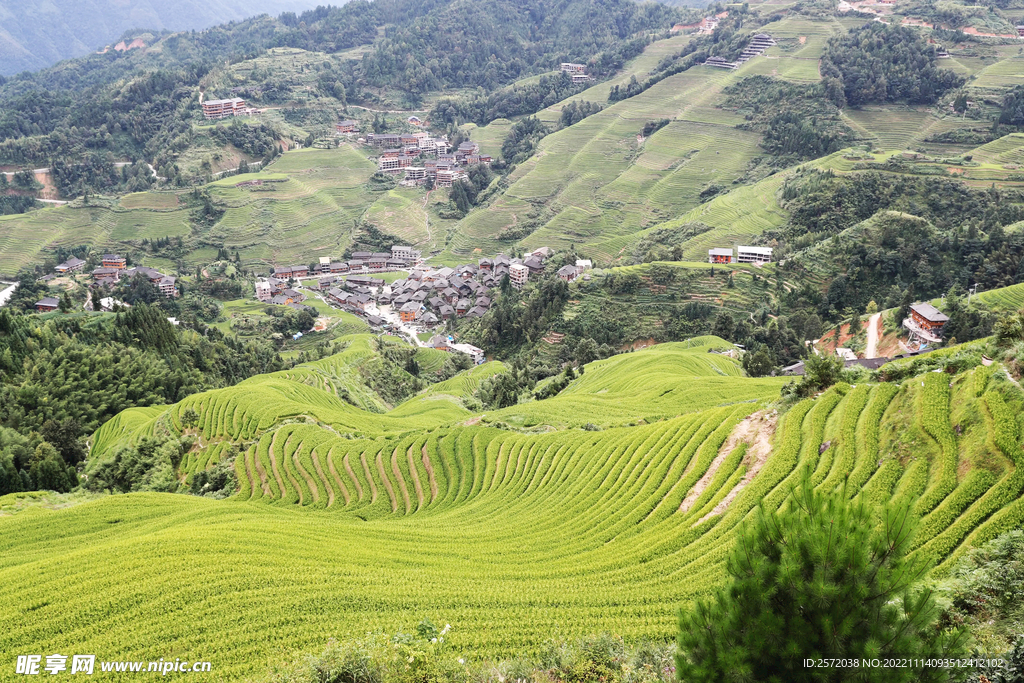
[422, 302]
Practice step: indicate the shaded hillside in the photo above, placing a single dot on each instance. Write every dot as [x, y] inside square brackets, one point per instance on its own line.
[35, 35]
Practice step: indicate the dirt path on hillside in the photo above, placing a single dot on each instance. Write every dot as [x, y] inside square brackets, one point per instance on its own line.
[387, 482]
[273, 465]
[873, 325]
[429, 467]
[756, 457]
[314, 490]
[288, 472]
[337, 477]
[263, 474]
[401, 481]
[320, 473]
[744, 432]
[369, 478]
[352, 475]
[247, 459]
[415, 477]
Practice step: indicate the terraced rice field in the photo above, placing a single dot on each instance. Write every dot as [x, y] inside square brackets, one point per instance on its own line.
[165, 201]
[1005, 73]
[894, 128]
[1004, 299]
[25, 239]
[511, 537]
[1007, 150]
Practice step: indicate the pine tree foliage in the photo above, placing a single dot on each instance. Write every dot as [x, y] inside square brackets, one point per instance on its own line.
[816, 579]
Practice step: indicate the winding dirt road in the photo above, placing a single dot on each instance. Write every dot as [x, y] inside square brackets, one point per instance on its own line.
[872, 348]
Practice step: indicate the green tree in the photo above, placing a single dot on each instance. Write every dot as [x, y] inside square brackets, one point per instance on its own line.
[759, 363]
[586, 351]
[64, 436]
[189, 418]
[65, 303]
[724, 326]
[816, 579]
[822, 371]
[48, 471]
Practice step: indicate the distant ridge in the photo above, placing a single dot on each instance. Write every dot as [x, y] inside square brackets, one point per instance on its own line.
[36, 34]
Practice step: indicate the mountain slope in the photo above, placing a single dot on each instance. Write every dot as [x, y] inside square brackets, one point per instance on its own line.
[508, 536]
[36, 35]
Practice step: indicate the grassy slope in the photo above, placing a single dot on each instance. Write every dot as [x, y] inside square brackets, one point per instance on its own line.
[509, 537]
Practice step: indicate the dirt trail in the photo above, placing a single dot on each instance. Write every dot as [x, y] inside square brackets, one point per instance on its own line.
[756, 457]
[415, 477]
[401, 481]
[262, 473]
[247, 459]
[320, 473]
[314, 490]
[497, 464]
[369, 478]
[741, 433]
[288, 472]
[429, 467]
[273, 465]
[337, 477]
[352, 476]
[873, 324]
[387, 482]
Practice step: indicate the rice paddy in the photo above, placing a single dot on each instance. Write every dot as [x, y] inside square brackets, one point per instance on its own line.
[347, 521]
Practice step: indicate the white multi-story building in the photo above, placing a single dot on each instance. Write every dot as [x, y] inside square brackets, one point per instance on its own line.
[405, 253]
[753, 254]
[263, 290]
[473, 352]
[518, 275]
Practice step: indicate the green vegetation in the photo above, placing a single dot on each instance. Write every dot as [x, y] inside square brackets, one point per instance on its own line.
[816, 580]
[882, 63]
[661, 488]
[577, 483]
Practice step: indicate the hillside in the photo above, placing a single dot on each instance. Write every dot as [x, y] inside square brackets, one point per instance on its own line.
[508, 536]
[37, 35]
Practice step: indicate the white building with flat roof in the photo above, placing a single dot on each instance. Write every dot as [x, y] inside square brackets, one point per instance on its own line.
[477, 354]
[518, 275]
[753, 254]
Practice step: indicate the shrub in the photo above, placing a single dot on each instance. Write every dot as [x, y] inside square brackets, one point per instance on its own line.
[815, 579]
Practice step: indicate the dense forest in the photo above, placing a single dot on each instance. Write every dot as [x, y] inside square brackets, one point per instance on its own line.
[797, 121]
[78, 372]
[882, 63]
[142, 107]
[925, 234]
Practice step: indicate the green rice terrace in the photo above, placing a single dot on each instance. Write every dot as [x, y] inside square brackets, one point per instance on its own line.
[349, 517]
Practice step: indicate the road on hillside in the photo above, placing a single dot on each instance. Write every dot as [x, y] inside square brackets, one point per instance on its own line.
[872, 350]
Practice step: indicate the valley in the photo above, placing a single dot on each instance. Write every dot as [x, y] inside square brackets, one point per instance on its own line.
[473, 341]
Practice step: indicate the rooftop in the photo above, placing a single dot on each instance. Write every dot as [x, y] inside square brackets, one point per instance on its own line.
[929, 312]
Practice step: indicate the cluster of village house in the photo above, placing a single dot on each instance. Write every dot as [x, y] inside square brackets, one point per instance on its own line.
[400, 152]
[112, 269]
[426, 298]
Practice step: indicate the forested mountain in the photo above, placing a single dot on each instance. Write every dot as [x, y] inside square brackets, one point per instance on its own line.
[34, 35]
[136, 103]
